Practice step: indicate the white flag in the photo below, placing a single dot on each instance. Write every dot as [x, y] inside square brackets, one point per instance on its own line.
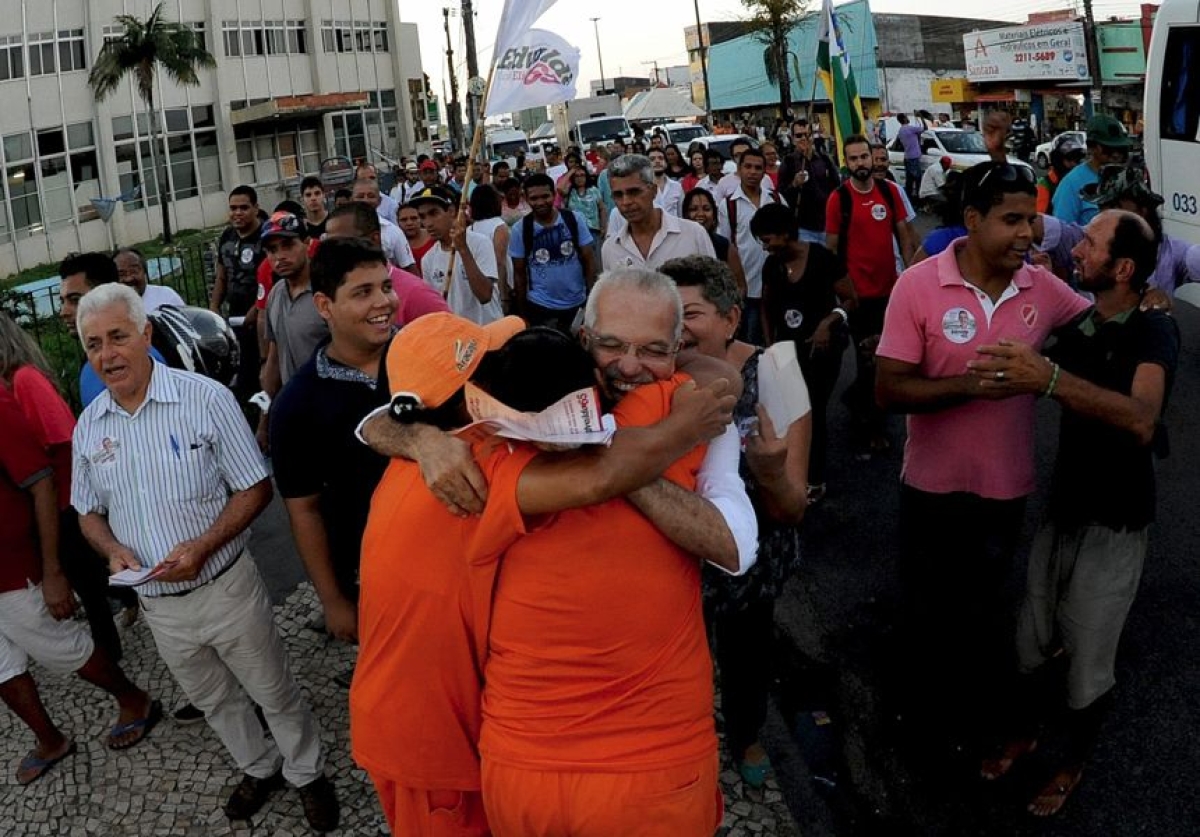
[516, 19]
[539, 68]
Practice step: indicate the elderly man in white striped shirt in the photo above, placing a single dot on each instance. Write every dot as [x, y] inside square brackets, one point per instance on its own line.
[167, 477]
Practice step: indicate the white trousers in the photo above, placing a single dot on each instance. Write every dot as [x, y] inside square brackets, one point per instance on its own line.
[221, 644]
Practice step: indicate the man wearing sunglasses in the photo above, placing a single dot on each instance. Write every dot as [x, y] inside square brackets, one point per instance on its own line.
[806, 180]
[969, 459]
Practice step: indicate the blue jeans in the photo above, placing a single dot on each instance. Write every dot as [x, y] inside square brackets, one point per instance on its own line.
[912, 178]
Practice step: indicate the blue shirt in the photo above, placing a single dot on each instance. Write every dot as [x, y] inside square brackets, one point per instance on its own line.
[556, 278]
[1068, 206]
[940, 239]
[90, 384]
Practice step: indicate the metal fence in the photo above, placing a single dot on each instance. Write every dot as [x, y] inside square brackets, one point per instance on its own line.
[190, 270]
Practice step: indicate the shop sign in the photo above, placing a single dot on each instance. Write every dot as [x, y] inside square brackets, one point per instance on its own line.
[1046, 52]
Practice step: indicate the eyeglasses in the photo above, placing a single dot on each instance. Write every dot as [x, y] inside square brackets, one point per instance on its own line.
[648, 352]
[1008, 173]
[632, 192]
[804, 135]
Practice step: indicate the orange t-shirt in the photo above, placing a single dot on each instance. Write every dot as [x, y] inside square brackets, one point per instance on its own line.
[598, 658]
[415, 695]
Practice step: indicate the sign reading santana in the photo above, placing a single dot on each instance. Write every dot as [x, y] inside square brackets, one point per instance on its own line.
[1046, 52]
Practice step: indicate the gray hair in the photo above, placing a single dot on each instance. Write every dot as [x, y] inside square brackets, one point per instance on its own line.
[643, 281]
[17, 349]
[711, 276]
[366, 181]
[112, 293]
[632, 164]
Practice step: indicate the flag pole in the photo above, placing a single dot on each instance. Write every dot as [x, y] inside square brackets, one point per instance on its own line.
[463, 199]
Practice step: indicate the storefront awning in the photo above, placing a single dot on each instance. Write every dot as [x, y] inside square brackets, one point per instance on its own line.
[282, 107]
[998, 96]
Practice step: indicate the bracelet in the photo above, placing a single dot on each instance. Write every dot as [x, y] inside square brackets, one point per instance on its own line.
[841, 312]
[1053, 382]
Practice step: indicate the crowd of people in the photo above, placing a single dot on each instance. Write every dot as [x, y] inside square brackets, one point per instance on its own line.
[536, 623]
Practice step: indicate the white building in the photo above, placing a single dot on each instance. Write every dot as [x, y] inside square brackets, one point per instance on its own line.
[296, 82]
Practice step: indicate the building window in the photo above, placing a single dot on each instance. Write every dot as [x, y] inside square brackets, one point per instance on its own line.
[297, 37]
[264, 37]
[71, 54]
[41, 54]
[190, 149]
[356, 36]
[50, 178]
[274, 37]
[12, 57]
[199, 30]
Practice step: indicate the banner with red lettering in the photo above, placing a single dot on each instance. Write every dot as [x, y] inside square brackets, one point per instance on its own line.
[539, 68]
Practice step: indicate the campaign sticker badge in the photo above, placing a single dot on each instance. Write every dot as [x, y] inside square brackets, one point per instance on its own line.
[247, 255]
[879, 212]
[793, 318]
[959, 326]
[541, 255]
[107, 452]
[1029, 314]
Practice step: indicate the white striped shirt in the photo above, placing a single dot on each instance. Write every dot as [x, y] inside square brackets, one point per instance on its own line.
[164, 474]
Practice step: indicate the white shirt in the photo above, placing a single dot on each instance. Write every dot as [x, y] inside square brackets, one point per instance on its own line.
[156, 296]
[932, 181]
[387, 209]
[395, 245]
[750, 249]
[461, 299]
[731, 182]
[164, 474]
[669, 197]
[675, 237]
[555, 173]
[719, 482]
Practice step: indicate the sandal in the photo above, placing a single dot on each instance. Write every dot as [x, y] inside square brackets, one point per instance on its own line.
[141, 726]
[1054, 795]
[997, 767]
[34, 767]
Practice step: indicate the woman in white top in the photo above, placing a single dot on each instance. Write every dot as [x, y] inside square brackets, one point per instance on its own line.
[670, 193]
[486, 220]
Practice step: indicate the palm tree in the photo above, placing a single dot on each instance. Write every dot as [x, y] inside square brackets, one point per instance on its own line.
[146, 48]
[771, 23]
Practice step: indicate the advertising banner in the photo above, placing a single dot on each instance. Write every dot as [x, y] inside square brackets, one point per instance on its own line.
[1049, 52]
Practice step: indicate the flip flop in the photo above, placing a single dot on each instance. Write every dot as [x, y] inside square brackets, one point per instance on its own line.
[997, 767]
[141, 725]
[39, 766]
[1057, 791]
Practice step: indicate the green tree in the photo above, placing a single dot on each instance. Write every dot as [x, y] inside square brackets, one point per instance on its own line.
[143, 50]
[771, 22]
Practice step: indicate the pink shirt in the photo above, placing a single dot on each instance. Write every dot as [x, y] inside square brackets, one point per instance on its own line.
[416, 297]
[936, 320]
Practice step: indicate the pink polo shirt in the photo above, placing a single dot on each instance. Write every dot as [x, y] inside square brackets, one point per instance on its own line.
[936, 320]
[416, 296]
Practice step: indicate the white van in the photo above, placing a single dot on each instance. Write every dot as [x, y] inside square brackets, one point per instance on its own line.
[1172, 116]
[506, 145]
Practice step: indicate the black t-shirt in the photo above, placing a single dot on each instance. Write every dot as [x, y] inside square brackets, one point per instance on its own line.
[241, 258]
[720, 246]
[1103, 476]
[314, 451]
[809, 200]
[795, 309]
[316, 230]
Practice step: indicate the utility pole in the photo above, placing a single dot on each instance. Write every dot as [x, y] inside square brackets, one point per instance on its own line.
[599, 54]
[474, 103]
[655, 63]
[454, 111]
[1093, 48]
[703, 60]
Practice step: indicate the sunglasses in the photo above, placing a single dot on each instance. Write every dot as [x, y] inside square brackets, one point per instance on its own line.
[1008, 173]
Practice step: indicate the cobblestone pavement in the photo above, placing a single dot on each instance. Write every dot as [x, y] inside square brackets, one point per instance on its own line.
[174, 783]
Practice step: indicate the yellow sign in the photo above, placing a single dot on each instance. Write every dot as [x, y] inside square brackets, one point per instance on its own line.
[951, 90]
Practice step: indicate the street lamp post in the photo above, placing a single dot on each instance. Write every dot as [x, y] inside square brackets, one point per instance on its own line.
[599, 54]
[703, 60]
[883, 73]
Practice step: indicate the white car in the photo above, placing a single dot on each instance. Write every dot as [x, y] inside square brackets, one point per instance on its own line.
[964, 148]
[721, 144]
[1041, 154]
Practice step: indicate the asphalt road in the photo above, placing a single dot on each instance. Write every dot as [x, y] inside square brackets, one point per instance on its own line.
[836, 621]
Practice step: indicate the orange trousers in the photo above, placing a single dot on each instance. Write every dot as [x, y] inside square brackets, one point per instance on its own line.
[682, 801]
[416, 812]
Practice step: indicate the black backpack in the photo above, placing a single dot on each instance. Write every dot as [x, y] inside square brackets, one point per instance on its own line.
[569, 219]
[845, 202]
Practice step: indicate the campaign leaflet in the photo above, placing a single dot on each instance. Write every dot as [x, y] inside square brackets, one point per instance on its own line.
[571, 421]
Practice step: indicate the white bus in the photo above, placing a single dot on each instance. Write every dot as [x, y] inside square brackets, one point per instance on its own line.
[1172, 116]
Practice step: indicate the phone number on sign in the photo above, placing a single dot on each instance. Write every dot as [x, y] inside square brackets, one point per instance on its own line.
[1024, 57]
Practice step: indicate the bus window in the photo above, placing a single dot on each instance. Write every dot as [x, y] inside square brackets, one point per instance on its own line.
[1180, 103]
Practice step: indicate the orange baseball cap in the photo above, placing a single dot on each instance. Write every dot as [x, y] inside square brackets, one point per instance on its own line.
[433, 356]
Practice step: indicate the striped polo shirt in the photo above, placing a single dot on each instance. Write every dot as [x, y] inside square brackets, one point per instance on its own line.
[165, 473]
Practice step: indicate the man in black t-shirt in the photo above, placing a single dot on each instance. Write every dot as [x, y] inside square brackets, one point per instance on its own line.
[239, 253]
[325, 475]
[806, 180]
[1111, 369]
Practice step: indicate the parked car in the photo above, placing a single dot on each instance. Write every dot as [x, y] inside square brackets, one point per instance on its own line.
[680, 133]
[964, 148]
[721, 144]
[1041, 154]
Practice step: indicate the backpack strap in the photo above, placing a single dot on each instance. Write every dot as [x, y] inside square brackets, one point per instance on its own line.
[572, 222]
[845, 205]
[527, 233]
[731, 213]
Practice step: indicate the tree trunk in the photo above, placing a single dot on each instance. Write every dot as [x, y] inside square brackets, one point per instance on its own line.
[785, 76]
[160, 173]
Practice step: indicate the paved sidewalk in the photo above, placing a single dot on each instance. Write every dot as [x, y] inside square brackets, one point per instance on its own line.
[175, 782]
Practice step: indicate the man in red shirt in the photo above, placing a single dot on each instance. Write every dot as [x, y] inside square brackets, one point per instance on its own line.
[861, 217]
[34, 622]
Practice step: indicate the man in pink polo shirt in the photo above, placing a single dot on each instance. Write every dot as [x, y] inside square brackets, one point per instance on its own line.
[969, 459]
